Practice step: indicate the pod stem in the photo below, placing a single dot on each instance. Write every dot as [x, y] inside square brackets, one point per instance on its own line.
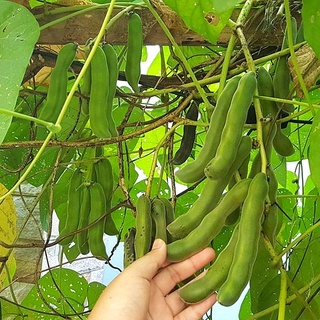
[251, 66]
[225, 65]
[51, 126]
[294, 57]
[283, 294]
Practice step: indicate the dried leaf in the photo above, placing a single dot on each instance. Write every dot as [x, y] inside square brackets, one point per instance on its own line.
[8, 233]
[309, 66]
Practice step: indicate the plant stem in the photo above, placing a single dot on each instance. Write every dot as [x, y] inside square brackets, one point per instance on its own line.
[297, 240]
[225, 65]
[294, 57]
[283, 294]
[216, 78]
[47, 124]
[251, 66]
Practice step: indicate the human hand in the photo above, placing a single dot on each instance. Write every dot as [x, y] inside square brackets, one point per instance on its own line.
[143, 290]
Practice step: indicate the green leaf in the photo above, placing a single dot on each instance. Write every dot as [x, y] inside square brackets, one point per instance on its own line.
[93, 293]
[269, 296]
[136, 116]
[288, 204]
[18, 36]
[314, 151]
[262, 274]
[71, 252]
[226, 5]
[245, 309]
[184, 203]
[43, 168]
[279, 165]
[140, 187]
[200, 17]
[63, 289]
[311, 22]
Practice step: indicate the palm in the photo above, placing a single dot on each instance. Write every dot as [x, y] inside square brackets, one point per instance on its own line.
[145, 290]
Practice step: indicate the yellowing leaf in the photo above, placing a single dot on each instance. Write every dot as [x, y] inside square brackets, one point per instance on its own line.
[8, 233]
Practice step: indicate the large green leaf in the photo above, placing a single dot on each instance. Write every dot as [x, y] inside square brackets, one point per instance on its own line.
[200, 17]
[64, 290]
[18, 36]
[314, 151]
[311, 22]
[223, 6]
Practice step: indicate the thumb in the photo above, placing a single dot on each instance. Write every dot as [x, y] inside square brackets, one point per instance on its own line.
[148, 265]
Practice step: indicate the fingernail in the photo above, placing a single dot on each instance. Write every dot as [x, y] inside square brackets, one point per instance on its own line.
[157, 244]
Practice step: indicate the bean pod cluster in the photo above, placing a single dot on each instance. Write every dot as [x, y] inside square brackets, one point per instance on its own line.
[89, 200]
[234, 195]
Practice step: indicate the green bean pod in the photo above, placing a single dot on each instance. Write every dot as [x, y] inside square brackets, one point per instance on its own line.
[269, 130]
[210, 226]
[282, 144]
[169, 217]
[215, 276]
[265, 88]
[128, 248]
[113, 66]
[82, 236]
[209, 196]
[73, 208]
[143, 236]
[194, 171]
[282, 77]
[86, 88]
[243, 172]
[158, 213]
[57, 92]
[188, 137]
[104, 176]
[98, 95]
[232, 131]
[247, 245]
[96, 231]
[134, 51]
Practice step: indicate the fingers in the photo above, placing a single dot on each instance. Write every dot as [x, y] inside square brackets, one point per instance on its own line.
[167, 278]
[196, 311]
[148, 266]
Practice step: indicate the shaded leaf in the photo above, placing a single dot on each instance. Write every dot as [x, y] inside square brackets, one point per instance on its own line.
[314, 151]
[63, 289]
[93, 293]
[262, 274]
[200, 17]
[18, 36]
[226, 5]
[245, 309]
